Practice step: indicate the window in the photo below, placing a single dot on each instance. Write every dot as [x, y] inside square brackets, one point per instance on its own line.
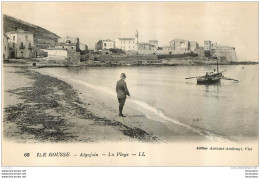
[129, 42]
[21, 45]
[13, 38]
[71, 47]
[105, 44]
[5, 47]
[30, 46]
[62, 46]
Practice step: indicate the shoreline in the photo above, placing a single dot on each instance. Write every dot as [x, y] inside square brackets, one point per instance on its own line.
[47, 109]
[39, 107]
[176, 62]
[42, 108]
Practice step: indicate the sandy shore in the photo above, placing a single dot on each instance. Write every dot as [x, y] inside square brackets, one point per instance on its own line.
[41, 108]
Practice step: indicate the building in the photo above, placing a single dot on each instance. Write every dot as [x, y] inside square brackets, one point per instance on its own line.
[108, 44]
[69, 43]
[166, 48]
[222, 52]
[5, 49]
[68, 49]
[179, 44]
[21, 44]
[214, 45]
[154, 43]
[56, 54]
[63, 55]
[194, 46]
[127, 44]
[225, 52]
[83, 48]
[207, 45]
[146, 48]
[200, 52]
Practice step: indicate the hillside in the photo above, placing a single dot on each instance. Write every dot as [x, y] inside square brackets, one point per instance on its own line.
[42, 37]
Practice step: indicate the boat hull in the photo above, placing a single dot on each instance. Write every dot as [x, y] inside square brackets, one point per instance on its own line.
[208, 81]
[213, 79]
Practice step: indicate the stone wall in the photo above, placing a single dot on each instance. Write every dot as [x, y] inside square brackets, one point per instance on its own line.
[177, 56]
[164, 52]
[57, 54]
[41, 53]
[228, 53]
[73, 57]
[147, 52]
[121, 57]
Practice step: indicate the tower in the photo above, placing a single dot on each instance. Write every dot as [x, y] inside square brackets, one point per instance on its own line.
[136, 40]
[136, 37]
[207, 45]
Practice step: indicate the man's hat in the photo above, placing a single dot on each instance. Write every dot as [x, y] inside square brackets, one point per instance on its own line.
[123, 75]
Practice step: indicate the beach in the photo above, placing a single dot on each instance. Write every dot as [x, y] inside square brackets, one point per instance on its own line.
[40, 108]
[80, 105]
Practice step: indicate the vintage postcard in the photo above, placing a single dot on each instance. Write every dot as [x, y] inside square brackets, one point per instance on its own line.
[130, 84]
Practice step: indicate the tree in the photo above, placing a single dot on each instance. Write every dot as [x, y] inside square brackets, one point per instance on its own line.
[98, 45]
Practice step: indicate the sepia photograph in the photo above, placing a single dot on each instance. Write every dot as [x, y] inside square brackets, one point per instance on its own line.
[130, 84]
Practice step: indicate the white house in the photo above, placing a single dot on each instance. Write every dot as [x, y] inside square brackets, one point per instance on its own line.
[108, 44]
[127, 44]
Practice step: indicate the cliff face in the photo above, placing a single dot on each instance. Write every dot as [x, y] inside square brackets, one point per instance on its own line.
[42, 37]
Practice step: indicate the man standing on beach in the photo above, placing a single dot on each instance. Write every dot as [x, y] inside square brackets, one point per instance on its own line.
[122, 91]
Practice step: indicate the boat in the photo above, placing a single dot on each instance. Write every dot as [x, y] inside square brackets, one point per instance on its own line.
[210, 78]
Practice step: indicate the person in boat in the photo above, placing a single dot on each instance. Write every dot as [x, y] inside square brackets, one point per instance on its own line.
[122, 91]
[212, 73]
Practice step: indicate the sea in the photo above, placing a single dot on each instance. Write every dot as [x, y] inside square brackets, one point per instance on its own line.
[228, 109]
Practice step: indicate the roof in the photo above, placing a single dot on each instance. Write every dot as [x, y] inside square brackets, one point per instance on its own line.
[108, 40]
[68, 37]
[178, 40]
[144, 43]
[65, 44]
[153, 41]
[71, 39]
[221, 47]
[6, 35]
[19, 31]
[55, 49]
[126, 38]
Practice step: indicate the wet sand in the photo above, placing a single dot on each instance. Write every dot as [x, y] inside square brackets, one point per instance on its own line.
[41, 108]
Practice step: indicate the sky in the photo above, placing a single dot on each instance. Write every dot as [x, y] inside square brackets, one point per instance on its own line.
[227, 23]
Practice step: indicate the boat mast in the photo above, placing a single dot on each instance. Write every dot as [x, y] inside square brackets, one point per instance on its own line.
[217, 64]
